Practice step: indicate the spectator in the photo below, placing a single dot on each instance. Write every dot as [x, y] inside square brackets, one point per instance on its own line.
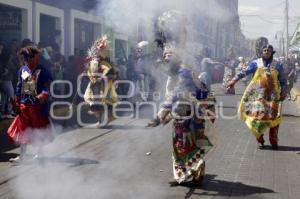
[58, 71]
[297, 66]
[14, 61]
[290, 70]
[26, 42]
[206, 68]
[45, 58]
[6, 87]
[122, 71]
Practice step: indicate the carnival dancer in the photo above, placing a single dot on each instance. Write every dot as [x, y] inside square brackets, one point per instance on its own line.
[102, 74]
[229, 71]
[32, 124]
[182, 105]
[242, 66]
[260, 105]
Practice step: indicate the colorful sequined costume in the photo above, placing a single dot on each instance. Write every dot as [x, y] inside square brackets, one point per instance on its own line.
[190, 142]
[261, 103]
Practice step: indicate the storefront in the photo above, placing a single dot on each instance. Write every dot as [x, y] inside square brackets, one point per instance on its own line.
[82, 29]
[48, 26]
[84, 35]
[120, 49]
[15, 20]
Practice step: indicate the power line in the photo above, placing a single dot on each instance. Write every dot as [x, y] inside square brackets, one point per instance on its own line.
[261, 18]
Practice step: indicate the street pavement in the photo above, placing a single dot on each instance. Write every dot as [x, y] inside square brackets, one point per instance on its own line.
[127, 160]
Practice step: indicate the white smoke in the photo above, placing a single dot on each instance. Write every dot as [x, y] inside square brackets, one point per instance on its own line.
[124, 15]
[109, 167]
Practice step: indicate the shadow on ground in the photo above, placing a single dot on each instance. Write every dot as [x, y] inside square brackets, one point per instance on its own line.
[69, 160]
[283, 148]
[122, 127]
[213, 187]
[4, 157]
[6, 144]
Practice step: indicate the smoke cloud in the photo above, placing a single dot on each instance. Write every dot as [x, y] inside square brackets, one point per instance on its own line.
[124, 15]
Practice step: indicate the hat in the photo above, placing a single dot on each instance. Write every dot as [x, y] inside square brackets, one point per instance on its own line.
[269, 46]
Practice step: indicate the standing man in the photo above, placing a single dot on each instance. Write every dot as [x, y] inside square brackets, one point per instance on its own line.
[261, 103]
[290, 70]
[142, 70]
[6, 87]
[207, 68]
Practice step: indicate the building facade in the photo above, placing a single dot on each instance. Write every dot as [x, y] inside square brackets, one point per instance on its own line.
[219, 27]
[65, 25]
[295, 41]
[70, 26]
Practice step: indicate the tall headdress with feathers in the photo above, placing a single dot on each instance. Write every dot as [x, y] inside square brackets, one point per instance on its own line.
[100, 49]
[171, 29]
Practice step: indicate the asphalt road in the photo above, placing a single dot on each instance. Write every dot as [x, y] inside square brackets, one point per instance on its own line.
[127, 160]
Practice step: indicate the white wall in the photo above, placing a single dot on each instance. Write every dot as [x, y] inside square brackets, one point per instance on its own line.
[26, 6]
[39, 9]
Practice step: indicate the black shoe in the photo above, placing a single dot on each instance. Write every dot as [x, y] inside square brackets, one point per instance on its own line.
[274, 146]
[261, 145]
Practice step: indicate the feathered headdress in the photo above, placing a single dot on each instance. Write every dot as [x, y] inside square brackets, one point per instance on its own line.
[100, 48]
[171, 28]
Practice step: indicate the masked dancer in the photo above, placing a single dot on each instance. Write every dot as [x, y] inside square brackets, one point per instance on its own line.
[185, 104]
[32, 124]
[260, 105]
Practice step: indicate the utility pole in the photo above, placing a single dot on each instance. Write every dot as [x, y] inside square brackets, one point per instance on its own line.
[287, 27]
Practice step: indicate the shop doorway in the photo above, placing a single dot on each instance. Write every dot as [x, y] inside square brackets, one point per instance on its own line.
[49, 34]
[84, 35]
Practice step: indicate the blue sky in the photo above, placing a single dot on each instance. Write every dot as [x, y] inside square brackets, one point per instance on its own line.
[266, 17]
